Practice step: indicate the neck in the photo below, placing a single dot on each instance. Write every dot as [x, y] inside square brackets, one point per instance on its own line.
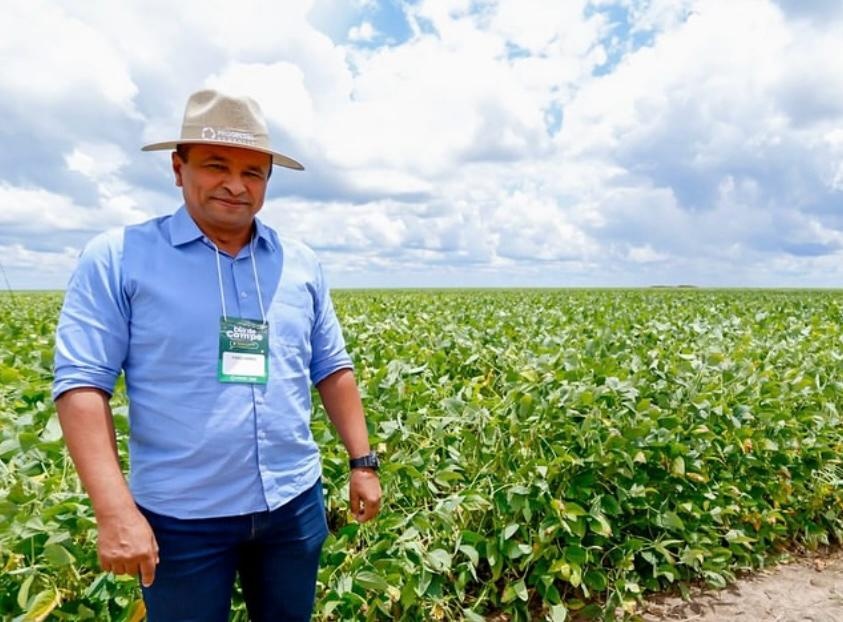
[228, 242]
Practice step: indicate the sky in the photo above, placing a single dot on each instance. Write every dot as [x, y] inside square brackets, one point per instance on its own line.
[455, 143]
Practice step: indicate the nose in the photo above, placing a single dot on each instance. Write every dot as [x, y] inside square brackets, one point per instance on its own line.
[234, 185]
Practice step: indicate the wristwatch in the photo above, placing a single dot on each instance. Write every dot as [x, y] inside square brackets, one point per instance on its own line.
[369, 461]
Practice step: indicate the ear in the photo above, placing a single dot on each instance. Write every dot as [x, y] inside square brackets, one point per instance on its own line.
[177, 164]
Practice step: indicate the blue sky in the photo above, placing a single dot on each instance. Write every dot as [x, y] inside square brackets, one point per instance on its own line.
[450, 143]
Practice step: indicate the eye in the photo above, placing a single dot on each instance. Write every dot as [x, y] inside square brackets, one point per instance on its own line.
[215, 166]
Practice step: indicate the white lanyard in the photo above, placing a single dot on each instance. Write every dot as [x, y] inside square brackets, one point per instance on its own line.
[254, 272]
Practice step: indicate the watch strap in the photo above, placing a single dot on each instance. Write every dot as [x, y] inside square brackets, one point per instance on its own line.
[369, 461]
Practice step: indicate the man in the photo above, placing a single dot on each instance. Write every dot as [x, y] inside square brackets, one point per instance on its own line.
[221, 327]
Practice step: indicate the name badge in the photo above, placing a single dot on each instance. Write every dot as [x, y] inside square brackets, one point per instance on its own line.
[244, 345]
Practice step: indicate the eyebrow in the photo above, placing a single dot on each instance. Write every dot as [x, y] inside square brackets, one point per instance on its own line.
[213, 158]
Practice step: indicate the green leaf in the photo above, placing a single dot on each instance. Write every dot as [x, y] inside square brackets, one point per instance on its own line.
[671, 520]
[410, 534]
[576, 575]
[9, 374]
[714, 579]
[515, 590]
[23, 592]
[600, 525]
[561, 568]
[518, 549]
[678, 466]
[439, 560]
[575, 554]
[57, 555]
[558, 613]
[371, 581]
[471, 553]
[596, 579]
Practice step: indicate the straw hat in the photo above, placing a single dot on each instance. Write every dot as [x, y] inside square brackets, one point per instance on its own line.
[217, 119]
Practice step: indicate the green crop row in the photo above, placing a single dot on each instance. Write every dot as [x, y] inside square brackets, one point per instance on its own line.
[546, 453]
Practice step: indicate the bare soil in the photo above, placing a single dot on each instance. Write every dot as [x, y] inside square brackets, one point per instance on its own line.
[806, 589]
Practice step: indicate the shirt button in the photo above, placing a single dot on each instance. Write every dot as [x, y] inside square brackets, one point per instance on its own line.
[243, 294]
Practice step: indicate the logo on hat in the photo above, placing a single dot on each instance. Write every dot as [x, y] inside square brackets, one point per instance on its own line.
[208, 133]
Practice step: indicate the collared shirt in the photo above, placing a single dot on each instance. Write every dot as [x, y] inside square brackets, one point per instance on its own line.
[146, 300]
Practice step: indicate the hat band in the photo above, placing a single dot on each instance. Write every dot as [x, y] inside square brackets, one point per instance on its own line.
[224, 135]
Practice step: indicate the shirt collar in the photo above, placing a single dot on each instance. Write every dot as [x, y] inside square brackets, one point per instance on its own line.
[265, 234]
[183, 229]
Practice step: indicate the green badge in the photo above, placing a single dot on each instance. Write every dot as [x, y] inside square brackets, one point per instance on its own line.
[243, 351]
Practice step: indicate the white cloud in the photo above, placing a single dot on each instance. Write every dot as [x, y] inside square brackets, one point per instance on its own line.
[713, 150]
[96, 160]
[364, 32]
[645, 254]
[17, 257]
[34, 210]
[49, 54]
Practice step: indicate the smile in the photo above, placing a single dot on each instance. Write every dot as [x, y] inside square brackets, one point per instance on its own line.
[230, 203]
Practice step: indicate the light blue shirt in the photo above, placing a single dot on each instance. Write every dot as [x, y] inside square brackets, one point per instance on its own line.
[146, 300]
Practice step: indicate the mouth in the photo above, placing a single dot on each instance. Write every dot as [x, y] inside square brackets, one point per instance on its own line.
[231, 203]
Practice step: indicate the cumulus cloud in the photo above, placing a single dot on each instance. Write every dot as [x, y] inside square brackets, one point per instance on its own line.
[496, 142]
[363, 32]
[49, 52]
[51, 265]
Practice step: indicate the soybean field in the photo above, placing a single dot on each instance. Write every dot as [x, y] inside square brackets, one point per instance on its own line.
[547, 454]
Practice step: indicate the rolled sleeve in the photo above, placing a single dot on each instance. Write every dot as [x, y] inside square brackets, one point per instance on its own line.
[92, 335]
[327, 342]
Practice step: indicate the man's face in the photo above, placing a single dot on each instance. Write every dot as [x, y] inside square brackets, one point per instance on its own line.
[223, 187]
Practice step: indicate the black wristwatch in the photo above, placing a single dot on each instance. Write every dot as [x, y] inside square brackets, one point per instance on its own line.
[369, 461]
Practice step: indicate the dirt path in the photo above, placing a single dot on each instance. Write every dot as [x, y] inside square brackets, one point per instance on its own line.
[805, 590]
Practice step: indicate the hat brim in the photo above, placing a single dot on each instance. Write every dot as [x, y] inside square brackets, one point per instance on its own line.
[279, 159]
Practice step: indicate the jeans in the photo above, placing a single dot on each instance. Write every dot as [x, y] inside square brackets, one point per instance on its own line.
[275, 553]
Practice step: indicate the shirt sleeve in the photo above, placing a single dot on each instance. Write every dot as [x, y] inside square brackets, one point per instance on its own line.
[92, 335]
[329, 353]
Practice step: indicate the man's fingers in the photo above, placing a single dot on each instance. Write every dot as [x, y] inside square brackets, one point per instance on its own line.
[119, 568]
[354, 501]
[147, 571]
[369, 506]
[371, 509]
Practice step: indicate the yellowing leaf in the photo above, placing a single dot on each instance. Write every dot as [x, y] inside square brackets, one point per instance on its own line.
[558, 613]
[137, 611]
[42, 605]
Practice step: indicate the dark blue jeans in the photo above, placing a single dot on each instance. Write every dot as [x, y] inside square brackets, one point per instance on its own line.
[275, 553]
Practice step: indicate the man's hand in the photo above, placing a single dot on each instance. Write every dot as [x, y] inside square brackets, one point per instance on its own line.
[364, 493]
[341, 399]
[126, 545]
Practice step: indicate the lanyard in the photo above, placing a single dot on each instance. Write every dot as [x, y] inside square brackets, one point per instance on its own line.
[254, 273]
